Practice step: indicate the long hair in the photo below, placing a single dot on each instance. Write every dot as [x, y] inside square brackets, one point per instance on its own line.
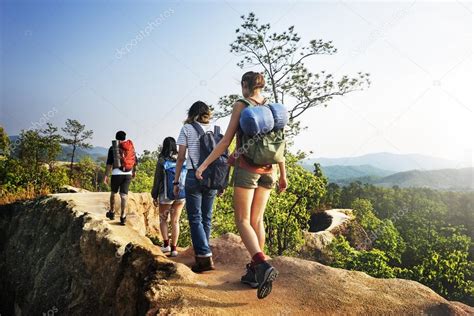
[200, 112]
[253, 80]
[169, 148]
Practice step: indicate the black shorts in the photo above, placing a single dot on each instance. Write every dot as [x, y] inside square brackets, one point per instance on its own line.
[121, 182]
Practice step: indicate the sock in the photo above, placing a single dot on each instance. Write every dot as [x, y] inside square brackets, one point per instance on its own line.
[173, 248]
[166, 243]
[258, 258]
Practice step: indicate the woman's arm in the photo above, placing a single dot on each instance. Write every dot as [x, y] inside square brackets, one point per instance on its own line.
[179, 167]
[283, 182]
[225, 141]
[156, 181]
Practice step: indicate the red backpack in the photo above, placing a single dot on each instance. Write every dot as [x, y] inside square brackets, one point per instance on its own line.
[127, 155]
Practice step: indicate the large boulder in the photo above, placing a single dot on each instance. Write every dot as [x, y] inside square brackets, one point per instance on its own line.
[60, 255]
[324, 226]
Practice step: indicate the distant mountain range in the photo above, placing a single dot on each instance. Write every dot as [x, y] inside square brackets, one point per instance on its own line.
[443, 179]
[96, 152]
[338, 172]
[388, 161]
[386, 169]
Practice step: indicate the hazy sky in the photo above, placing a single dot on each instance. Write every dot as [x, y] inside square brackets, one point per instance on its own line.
[87, 60]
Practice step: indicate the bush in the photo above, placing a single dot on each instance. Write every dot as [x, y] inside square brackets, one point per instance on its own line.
[373, 262]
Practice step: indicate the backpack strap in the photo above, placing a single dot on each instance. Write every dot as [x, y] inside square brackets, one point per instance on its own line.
[245, 101]
[248, 103]
[217, 130]
[198, 128]
[200, 132]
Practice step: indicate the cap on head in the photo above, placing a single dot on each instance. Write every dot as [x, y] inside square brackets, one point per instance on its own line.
[120, 135]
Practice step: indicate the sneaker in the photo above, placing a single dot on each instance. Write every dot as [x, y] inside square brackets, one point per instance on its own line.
[249, 277]
[265, 274]
[123, 220]
[165, 249]
[110, 215]
[174, 253]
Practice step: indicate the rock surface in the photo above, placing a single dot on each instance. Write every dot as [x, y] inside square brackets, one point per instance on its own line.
[315, 242]
[60, 255]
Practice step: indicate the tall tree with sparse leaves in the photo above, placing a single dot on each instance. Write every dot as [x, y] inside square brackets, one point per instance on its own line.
[51, 142]
[281, 57]
[76, 137]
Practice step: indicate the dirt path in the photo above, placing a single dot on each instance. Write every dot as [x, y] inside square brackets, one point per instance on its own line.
[221, 292]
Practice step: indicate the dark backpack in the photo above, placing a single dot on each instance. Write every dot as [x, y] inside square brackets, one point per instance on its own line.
[216, 176]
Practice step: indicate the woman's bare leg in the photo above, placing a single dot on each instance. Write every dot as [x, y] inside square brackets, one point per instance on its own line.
[175, 215]
[259, 203]
[242, 205]
[164, 210]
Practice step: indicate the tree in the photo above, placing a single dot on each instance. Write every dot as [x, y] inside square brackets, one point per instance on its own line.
[30, 149]
[374, 262]
[143, 182]
[289, 81]
[4, 142]
[76, 136]
[51, 143]
[87, 177]
[287, 214]
[333, 196]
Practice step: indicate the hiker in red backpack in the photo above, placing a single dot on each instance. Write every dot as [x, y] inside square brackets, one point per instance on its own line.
[121, 162]
[252, 186]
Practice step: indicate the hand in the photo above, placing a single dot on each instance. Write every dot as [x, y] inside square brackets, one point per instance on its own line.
[155, 202]
[106, 180]
[282, 184]
[200, 171]
[176, 190]
[134, 174]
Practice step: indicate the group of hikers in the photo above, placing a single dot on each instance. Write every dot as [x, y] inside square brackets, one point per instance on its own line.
[193, 169]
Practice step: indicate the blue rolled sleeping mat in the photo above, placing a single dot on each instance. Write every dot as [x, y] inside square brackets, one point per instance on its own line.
[263, 119]
[256, 120]
[280, 115]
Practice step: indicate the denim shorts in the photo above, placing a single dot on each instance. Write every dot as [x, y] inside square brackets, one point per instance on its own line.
[164, 200]
[251, 180]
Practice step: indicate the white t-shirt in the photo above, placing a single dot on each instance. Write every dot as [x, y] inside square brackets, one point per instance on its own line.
[118, 172]
[189, 137]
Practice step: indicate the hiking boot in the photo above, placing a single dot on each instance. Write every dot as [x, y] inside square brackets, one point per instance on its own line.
[265, 274]
[110, 215]
[203, 264]
[249, 277]
[123, 220]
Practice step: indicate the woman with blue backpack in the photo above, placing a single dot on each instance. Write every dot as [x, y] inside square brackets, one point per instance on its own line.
[164, 197]
[198, 137]
[260, 147]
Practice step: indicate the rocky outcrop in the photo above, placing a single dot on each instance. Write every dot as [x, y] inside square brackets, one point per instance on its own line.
[324, 226]
[59, 255]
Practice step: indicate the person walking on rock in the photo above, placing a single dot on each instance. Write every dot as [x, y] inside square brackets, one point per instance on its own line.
[252, 180]
[121, 163]
[198, 137]
[164, 197]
